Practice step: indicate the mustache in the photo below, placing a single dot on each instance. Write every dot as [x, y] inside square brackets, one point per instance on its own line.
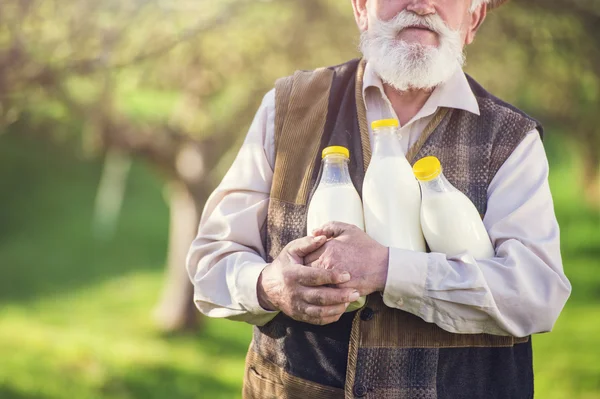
[406, 19]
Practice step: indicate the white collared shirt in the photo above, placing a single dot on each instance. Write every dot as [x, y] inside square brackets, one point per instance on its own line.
[454, 93]
[520, 292]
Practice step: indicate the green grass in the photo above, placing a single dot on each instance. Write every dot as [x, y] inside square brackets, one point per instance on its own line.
[75, 313]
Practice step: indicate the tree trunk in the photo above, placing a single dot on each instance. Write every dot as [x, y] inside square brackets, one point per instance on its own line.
[110, 193]
[591, 175]
[176, 310]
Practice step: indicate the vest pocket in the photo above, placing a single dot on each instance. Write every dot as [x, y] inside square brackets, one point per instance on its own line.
[262, 378]
[258, 386]
[265, 380]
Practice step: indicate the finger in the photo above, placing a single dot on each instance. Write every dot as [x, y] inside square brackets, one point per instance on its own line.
[325, 312]
[313, 256]
[318, 264]
[313, 277]
[354, 284]
[303, 246]
[329, 296]
[331, 229]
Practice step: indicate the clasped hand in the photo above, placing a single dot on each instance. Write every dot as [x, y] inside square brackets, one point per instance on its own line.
[315, 278]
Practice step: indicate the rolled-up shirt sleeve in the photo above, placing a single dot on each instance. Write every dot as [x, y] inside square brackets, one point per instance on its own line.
[522, 290]
[227, 256]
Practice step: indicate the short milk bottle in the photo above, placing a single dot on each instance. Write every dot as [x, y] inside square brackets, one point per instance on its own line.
[336, 199]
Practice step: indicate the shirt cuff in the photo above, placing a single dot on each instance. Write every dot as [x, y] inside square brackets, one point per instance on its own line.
[405, 284]
[247, 281]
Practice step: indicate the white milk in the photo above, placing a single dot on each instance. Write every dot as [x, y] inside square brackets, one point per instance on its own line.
[335, 203]
[451, 223]
[452, 226]
[392, 204]
[336, 199]
[391, 195]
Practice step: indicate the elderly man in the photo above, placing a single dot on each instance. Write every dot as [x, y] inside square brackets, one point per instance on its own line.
[433, 326]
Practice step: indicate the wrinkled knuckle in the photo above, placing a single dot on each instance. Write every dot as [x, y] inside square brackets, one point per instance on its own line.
[288, 278]
[335, 275]
[326, 262]
[335, 299]
[295, 297]
[297, 308]
[288, 248]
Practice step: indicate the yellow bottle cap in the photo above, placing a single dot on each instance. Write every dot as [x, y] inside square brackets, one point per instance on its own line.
[384, 123]
[336, 150]
[427, 168]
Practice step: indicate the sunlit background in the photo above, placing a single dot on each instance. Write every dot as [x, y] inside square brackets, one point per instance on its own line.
[118, 117]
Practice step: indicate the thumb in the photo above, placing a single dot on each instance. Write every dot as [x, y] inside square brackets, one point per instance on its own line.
[331, 229]
[301, 247]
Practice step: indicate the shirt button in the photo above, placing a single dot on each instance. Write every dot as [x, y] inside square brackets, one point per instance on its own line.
[360, 390]
[367, 314]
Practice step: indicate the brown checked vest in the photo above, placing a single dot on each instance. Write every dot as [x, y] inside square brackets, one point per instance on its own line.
[378, 351]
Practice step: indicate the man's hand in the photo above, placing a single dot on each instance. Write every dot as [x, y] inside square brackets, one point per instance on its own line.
[352, 250]
[301, 292]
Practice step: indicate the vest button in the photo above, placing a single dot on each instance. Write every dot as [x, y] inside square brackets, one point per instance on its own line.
[360, 390]
[367, 314]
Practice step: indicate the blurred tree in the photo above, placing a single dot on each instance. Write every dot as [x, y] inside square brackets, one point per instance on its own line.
[544, 55]
[78, 64]
[173, 83]
[176, 83]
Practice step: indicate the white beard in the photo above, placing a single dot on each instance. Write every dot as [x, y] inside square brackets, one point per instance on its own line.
[405, 65]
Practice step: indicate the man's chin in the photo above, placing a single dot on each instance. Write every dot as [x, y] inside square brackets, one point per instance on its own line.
[417, 74]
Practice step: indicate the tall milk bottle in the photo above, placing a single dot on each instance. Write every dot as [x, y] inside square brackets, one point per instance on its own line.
[336, 199]
[391, 194]
[451, 223]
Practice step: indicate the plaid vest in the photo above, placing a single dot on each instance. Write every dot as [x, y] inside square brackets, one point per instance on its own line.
[377, 351]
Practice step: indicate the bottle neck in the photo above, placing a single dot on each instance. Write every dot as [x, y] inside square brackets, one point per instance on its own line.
[335, 170]
[386, 142]
[438, 185]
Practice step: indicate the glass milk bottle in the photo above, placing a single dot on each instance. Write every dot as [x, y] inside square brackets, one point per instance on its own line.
[451, 223]
[391, 194]
[336, 199]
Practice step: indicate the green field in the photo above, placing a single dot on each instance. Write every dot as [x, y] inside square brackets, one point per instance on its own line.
[75, 312]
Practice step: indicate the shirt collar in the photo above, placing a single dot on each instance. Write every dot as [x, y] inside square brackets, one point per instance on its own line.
[454, 93]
